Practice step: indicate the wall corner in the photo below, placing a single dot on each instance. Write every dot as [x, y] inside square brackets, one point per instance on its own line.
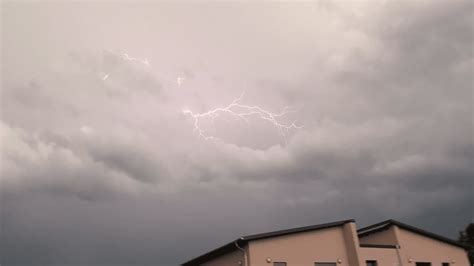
[352, 244]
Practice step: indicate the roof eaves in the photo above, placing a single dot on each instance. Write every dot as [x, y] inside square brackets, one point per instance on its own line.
[229, 247]
[373, 226]
[296, 230]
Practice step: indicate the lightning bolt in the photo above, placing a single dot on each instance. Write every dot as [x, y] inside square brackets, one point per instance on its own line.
[235, 109]
[126, 57]
[242, 112]
[123, 56]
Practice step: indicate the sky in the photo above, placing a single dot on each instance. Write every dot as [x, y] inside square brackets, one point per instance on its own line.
[149, 133]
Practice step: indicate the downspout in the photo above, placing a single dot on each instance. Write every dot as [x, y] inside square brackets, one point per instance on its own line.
[400, 263]
[243, 250]
[395, 231]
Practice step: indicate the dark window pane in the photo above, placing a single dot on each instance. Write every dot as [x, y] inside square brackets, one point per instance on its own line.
[324, 264]
[279, 264]
[371, 262]
[423, 263]
[445, 264]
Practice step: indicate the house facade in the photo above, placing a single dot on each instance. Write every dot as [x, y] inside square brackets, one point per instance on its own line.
[389, 243]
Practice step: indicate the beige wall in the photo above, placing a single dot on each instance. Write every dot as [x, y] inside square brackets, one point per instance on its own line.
[301, 249]
[230, 259]
[383, 256]
[387, 237]
[424, 249]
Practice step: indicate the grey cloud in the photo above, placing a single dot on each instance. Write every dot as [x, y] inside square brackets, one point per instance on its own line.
[136, 163]
[32, 165]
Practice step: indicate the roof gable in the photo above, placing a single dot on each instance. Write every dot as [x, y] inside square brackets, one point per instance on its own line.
[378, 227]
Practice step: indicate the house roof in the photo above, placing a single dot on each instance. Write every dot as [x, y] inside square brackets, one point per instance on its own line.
[296, 230]
[232, 246]
[385, 225]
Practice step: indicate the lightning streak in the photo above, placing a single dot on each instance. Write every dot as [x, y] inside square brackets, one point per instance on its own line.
[241, 112]
[126, 57]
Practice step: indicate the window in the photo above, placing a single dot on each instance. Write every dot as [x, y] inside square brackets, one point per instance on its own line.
[324, 264]
[371, 262]
[423, 263]
[445, 264]
[279, 264]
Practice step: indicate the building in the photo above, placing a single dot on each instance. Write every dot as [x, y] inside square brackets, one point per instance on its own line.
[388, 243]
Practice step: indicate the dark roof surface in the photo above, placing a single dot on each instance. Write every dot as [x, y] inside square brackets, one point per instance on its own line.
[378, 227]
[245, 239]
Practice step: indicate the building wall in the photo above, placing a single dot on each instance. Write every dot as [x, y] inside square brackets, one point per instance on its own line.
[352, 244]
[383, 256]
[301, 249]
[387, 237]
[424, 249]
[332, 244]
[230, 259]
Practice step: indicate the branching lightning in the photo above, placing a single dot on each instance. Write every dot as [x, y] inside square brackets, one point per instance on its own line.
[242, 112]
[235, 109]
[126, 57]
[144, 61]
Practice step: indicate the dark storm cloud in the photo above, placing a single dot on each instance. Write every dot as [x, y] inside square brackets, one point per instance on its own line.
[101, 167]
[137, 163]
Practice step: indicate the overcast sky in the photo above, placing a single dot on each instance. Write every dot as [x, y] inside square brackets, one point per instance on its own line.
[101, 165]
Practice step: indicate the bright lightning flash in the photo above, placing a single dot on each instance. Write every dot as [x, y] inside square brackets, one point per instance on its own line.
[242, 112]
[179, 81]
